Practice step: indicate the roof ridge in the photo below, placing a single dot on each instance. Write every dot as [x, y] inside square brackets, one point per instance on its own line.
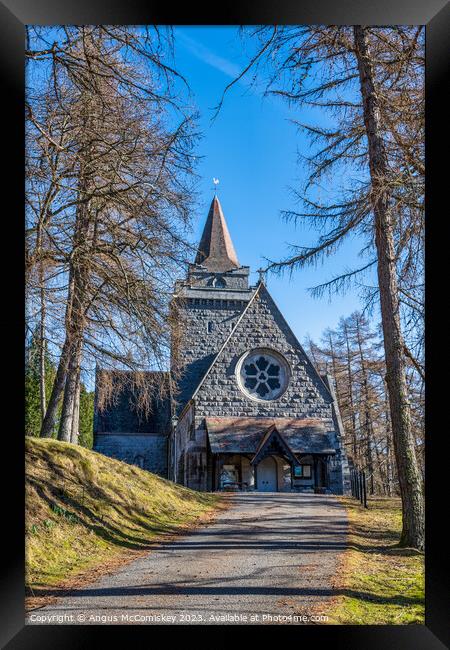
[273, 431]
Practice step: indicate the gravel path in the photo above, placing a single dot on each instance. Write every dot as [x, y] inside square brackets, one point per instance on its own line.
[269, 555]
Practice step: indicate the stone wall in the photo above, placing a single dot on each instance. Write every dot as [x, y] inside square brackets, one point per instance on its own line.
[336, 473]
[189, 453]
[146, 451]
[206, 324]
[339, 468]
[263, 326]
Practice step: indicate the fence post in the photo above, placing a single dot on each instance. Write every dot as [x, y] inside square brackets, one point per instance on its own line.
[364, 489]
[358, 485]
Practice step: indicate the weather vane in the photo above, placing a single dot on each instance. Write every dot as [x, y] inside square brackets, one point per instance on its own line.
[216, 182]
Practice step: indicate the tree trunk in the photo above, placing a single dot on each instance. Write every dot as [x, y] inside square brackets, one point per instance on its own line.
[408, 471]
[42, 349]
[390, 461]
[70, 392]
[368, 424]
[350, 395]
[49, 421]
[65, 379]
[76, 412]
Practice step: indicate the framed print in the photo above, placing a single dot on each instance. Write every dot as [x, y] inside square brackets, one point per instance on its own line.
[223, 395]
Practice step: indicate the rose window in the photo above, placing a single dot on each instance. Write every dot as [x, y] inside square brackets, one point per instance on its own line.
[263, 374]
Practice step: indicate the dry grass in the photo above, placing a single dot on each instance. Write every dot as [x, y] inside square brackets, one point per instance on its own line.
[379, 583]
[85, 511]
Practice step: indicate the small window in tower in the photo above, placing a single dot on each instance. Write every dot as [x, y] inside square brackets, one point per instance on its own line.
[210, 327]
[219, 283]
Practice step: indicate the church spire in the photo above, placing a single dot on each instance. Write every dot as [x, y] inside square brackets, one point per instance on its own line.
[216, 250]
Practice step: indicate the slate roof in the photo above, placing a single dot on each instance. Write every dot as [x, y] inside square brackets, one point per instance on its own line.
[271, 440]
[244, 435]
[122, 416]
[216, 250]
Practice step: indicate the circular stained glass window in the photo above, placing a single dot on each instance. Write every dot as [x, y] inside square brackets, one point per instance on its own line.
[263, 374]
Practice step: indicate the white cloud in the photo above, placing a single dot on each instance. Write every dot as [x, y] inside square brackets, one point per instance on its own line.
[206, 55]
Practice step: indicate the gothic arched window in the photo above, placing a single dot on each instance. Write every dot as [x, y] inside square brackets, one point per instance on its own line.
[263, 374]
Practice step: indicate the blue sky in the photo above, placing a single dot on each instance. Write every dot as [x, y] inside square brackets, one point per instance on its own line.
[252, 148]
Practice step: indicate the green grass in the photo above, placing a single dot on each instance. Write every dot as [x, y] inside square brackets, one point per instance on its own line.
[84, 510]
[378, 582]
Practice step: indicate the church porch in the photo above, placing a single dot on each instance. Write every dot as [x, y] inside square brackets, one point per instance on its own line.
[270, 455]
[273, 473]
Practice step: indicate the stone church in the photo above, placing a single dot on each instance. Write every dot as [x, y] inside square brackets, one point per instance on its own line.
[250, 411]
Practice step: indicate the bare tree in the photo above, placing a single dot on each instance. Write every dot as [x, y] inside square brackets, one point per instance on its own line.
[351, 352]
[112, 199]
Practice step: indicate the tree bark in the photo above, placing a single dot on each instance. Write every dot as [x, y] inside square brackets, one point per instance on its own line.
[75, 330]
[350, 392]
[66, 424]
[76, 412]
[42, 350]
[75, 316]
[390, 460]
[413, 532]
[49, 421]
[368, 424]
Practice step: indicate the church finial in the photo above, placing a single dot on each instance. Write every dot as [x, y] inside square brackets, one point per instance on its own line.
[262, 275]
[216, 182]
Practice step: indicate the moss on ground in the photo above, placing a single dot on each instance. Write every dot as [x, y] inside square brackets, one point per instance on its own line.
[378, 582]
[84, 509]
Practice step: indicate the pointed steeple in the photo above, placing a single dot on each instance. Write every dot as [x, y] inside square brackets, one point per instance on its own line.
[216, 250]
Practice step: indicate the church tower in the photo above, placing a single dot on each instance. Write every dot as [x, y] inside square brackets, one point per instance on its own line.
[211, 299]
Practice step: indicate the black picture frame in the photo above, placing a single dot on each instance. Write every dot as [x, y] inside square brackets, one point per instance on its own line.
[14, 14]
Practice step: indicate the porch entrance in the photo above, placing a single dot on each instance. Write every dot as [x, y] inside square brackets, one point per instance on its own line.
[267, 479]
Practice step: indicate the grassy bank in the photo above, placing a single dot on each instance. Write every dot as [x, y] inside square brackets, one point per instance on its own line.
[85, 511]
[378, 582]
